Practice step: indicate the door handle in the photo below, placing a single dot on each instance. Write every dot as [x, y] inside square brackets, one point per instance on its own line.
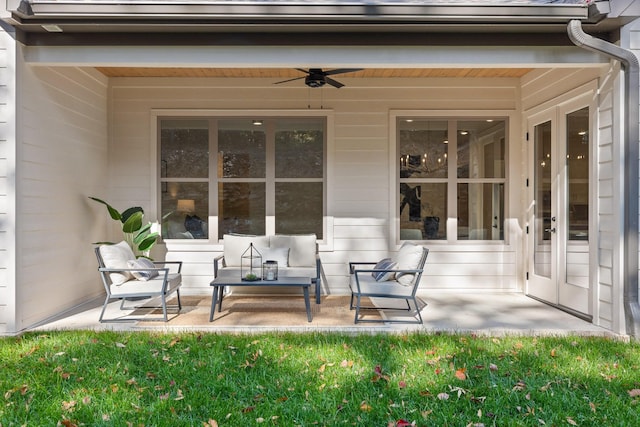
[550, 230]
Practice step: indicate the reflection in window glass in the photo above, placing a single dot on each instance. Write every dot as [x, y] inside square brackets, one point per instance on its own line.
[481, 149]
[578, 174]
[185, 209]
[423, 148]
[423, 211]
[299, 208]
[480, 211]
[242, 149]
[299, 148]
[241, 208]
[184, 149]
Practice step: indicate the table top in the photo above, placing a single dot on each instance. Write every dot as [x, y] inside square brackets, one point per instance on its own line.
[232, 278]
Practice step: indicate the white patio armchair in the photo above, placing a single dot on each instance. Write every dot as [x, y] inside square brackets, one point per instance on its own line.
[389, 279]
[126, 278]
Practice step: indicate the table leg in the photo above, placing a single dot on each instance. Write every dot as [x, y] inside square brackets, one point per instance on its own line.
[214, 298]
[307, 303]
[317, 291]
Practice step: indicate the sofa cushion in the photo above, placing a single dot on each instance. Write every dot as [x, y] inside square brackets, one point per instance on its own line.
[279, 255]
[116, 256]
[408, 258]
[384, 264]
[302, 248]
[145, 263]
[235, 245]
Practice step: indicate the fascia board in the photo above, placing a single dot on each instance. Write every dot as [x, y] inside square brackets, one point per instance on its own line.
[312, 56]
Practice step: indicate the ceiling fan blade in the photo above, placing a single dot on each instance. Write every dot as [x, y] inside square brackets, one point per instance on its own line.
[341, 71]
[290, 80]
[333, 83]
[301, 70]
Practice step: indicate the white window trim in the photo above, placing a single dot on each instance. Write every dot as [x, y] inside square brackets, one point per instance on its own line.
[452, 243]
[326, 244]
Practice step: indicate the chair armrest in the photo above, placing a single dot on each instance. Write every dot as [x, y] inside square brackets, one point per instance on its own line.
[218, 262]
[352, 265]
[178, 263]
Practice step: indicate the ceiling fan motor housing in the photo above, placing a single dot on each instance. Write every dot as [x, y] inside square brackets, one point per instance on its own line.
[315, 79]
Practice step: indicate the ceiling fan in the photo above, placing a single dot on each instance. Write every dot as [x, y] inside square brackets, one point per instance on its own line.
[317, 78]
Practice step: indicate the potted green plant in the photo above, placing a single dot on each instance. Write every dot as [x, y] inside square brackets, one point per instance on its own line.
[138, 235]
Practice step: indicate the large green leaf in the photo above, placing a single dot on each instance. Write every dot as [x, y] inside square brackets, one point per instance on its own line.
[112, 211]
[142, 234]
[133, 223]
[148, 242]
[131, 211]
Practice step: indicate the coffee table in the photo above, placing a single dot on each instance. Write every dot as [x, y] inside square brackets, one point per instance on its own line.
[232, 278]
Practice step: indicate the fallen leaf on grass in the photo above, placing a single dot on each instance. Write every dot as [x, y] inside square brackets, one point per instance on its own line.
[210, 423]
[571, 421]
[634, 392]
[443, 396]
[402, 384]
[364, 406]
[460, 374]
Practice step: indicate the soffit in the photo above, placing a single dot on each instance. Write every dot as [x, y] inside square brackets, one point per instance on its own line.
[285, 73]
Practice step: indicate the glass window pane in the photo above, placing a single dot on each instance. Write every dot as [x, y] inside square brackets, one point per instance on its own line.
[241, 208]
[480, 211]
[241, 149]
[423, 148]
[299, 148]
[299, 208]
[578, 174]
[187, 205]
[423, 211]
[184, 148]
[481, 146]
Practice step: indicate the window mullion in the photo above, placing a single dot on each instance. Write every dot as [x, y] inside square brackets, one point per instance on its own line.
[214, 175]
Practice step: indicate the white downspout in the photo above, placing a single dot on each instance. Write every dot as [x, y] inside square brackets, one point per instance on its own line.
[631, 140]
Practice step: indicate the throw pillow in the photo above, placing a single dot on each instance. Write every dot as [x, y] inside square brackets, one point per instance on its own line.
[143, 275]
[116, 256]
[408, 258]
[383, 276]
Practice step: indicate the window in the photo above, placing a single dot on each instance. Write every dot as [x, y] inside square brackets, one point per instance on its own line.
[451, 169]
[239, 175]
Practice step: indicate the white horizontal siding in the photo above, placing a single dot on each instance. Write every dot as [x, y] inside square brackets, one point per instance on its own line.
[8, 290]
[62, 159]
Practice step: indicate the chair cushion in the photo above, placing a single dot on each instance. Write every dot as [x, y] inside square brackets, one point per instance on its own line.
[235, 245]
[389, 289]
[151, 287]
[116, 256]
[143, 275]
[384, 264]
[408, 258]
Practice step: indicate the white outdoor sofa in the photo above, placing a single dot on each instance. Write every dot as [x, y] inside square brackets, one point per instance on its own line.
[296, 254]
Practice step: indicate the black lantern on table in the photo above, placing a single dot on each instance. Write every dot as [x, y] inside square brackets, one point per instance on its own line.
[250, 263]
[270, 270]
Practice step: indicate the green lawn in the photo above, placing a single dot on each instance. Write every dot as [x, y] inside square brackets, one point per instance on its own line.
[287, 379]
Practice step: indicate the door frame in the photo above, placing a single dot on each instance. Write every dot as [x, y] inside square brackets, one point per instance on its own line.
[573, 100]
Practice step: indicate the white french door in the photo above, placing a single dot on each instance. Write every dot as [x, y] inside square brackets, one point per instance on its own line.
[558, 233]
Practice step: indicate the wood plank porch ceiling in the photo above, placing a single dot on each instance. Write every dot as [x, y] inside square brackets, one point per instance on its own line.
[292, 73]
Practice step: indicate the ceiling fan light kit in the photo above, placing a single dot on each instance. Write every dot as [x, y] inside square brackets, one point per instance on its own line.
[317, 78]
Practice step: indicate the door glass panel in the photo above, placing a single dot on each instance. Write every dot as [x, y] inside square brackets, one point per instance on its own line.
[578, 174]
[542, 193]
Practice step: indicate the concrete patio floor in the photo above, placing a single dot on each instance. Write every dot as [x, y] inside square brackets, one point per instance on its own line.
[481, 313]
